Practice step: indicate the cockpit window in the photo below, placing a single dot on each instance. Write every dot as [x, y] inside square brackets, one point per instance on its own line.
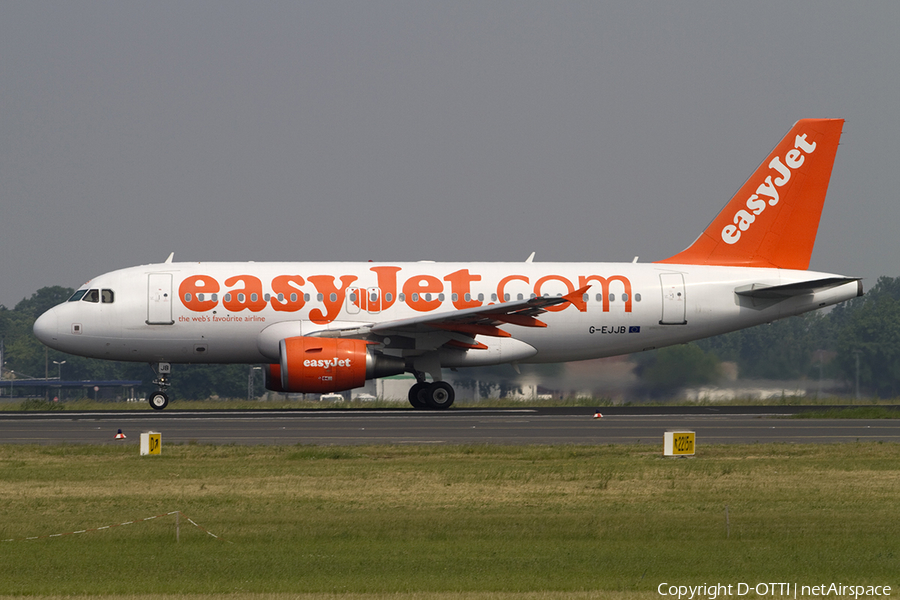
[91, 296]
[107, 296]
[77, 295]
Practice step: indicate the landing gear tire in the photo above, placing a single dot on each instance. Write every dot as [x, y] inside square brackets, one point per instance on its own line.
[158, 400]
[417, 395]
[439, 395]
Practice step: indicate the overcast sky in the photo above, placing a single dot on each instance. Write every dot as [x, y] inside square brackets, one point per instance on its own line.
[589, 131]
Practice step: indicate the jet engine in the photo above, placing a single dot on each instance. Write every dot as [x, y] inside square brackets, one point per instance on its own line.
[318, 365]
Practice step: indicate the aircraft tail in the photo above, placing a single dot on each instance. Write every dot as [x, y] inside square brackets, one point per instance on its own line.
[773, 219]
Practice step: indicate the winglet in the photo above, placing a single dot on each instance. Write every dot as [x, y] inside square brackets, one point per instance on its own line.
[773, 219]
[577, 297]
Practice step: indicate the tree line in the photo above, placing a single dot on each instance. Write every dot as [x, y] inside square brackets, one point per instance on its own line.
[815, 345]
[860, 337]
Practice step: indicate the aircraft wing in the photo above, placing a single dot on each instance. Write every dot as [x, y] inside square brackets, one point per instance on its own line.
[461, 326]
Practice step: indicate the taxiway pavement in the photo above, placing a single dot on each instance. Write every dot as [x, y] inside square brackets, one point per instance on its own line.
[455, 426]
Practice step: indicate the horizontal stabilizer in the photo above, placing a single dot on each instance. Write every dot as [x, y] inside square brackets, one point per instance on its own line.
[763, 291]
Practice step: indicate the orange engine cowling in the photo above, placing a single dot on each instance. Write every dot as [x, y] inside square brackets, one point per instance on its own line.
[311, 364]
[273, 378]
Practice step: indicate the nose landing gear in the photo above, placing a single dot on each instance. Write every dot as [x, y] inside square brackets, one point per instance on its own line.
[159, 399]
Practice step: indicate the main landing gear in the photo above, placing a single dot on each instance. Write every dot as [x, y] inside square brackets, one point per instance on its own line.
[438, 395]
[159, 400]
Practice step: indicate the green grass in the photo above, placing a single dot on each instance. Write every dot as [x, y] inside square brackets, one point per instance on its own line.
[512, 523]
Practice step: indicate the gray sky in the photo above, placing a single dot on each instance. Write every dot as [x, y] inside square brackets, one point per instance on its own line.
[589, 131]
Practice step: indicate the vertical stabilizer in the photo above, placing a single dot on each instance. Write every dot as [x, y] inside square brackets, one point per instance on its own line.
[773, 219]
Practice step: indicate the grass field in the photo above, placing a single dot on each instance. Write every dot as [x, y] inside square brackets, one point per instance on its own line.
[439, 523]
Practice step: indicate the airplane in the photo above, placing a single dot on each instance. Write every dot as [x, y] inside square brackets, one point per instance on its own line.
[324, 327]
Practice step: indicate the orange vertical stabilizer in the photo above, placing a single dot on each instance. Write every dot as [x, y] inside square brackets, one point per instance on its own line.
[773, 219]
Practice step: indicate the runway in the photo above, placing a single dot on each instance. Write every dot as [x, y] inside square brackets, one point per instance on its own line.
[457, 426]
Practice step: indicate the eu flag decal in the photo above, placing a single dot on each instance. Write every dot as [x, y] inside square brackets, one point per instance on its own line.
[634, 329]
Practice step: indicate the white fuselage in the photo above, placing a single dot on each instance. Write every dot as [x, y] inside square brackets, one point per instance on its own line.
[219, 312]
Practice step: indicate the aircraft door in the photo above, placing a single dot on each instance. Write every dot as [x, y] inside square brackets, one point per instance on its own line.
[159, 299]
[673, 307]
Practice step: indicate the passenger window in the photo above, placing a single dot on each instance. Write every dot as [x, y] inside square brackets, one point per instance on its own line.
[637, 297]
[92, 296]
[107, 296]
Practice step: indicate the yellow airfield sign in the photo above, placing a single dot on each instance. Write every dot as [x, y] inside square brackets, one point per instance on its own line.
[679, 443]
[151, 443]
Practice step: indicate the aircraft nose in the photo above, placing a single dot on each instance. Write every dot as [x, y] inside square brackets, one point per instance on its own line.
[46, 328]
